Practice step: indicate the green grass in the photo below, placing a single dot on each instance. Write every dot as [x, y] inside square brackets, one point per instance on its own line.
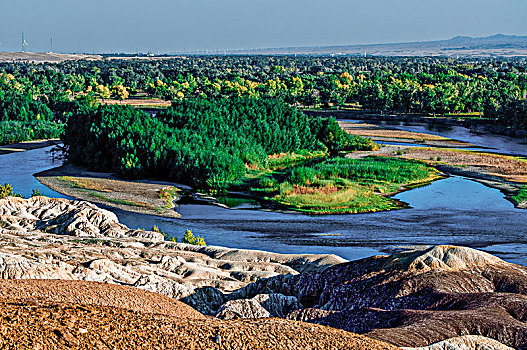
[291, 158]
[521, 196]
[113, 200]
[337, 185]
[352, 199]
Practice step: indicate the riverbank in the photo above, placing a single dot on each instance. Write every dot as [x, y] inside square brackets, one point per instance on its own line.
[382, 134]
[471, 122]
[104, 188]
[275, 187]
[505, 173]
[29, 145]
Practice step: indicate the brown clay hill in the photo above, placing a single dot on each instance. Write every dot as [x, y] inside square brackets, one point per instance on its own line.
[414, 298]
[53, 315]
[95, 293]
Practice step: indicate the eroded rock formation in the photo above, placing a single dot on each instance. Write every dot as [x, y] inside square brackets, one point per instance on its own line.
[413, 298]
[467, 342]
[47, 238]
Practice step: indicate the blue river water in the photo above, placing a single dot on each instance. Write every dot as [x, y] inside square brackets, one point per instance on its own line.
[454, 210]
[484, 141]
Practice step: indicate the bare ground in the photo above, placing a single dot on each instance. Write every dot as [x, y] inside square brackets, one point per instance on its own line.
[102, 188]
[96, 294]
[379, 133]
[144, 103]
[505, 167]
[30, 322]
[44, 57]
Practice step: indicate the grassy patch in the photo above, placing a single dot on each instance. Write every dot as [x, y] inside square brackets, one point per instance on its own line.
[338, 185]
[352, 199]
[119, 201]
[85, 184]
[290, 158]
[521, 196]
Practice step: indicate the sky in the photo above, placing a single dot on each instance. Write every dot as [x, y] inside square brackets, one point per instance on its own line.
[171, 26]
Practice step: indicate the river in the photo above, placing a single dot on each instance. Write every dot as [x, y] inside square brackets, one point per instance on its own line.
[484, 141]
[455, 211]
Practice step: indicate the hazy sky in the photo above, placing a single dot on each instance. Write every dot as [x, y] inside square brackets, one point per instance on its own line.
[176, 25]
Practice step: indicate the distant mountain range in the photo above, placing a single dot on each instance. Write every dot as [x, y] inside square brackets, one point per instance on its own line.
[498, 45]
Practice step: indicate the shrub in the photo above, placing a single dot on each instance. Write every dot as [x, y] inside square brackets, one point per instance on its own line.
[329, 133]
[158, 230]
[268, 182]
[286, 188]
[18, 131]
[189, 238]
[36, 193]
[7, 190]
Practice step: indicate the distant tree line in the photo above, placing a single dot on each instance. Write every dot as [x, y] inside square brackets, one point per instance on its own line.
[491, 88]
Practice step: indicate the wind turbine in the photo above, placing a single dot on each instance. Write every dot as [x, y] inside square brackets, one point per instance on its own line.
[24, 42]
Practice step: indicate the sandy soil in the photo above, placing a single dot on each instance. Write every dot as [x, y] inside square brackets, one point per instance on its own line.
[103, 188]
[504, 167]
[96, 294]
[62, 323]
[379, 133]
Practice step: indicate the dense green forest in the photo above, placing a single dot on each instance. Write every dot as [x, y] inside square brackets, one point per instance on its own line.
[238, 122]
[495, 89]
[22, 117]
[201, 142]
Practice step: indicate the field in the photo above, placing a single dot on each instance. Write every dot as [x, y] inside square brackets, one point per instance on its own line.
[44, 57]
